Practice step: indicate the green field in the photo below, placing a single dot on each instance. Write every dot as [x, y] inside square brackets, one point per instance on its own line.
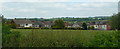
[57, 38]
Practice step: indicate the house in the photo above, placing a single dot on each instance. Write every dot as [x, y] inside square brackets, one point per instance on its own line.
[67, 24]
[22, 23]
[47, 24]
[74, 25]
[36, 24]
[100, 25]
[77, 24]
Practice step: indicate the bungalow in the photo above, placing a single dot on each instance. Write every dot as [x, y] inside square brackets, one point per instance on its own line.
[22, 23]
[77, 24]
[47, 24]
[74, 25]
[67, 24]
[36, 24]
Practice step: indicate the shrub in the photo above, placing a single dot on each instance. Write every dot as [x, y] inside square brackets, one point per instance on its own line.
[91, 28]
[72, 28]
[115, 22]
[56, 27]
[110, 40]
[9, 38]
[44, 28]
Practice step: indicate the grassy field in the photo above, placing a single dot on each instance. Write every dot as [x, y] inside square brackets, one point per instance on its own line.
[57, 38]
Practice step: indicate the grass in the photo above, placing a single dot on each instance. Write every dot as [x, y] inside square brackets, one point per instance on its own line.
[57, 38]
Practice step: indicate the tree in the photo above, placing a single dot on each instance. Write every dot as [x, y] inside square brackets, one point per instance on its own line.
[84, 25]
[59, 24]
[115, 21]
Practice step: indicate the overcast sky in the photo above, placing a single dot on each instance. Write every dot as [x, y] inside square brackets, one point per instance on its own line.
[55, 8]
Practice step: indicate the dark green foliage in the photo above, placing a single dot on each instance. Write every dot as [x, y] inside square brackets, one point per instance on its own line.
[84, 25]
[9, 39]
[110, 40]
[45, 28]
[5, 28]
[91, 28]
[72, 28]
[78, 28]
[12, 26]
[115, 21]
[59, 24]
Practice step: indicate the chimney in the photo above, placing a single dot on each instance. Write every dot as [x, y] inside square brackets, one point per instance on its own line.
[25, 18]
[15, 18]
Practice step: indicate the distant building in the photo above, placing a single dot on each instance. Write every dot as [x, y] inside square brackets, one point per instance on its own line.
[22, 23]
[67, 24]
[100, 25]
[47, 24]
[26, 23]
[74, 25]
[77, 24]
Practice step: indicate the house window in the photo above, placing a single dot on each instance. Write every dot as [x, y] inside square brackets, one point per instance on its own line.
[26, 24]
[96, 26]
[104, 25]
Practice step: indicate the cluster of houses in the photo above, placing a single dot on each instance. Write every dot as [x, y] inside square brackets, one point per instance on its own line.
[24, 23]
[100, 25]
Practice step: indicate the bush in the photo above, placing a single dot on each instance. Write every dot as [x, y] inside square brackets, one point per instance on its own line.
[115, 21]
[72, 28]
[26, 28]
[110, 40]
[12, 26]
[91, 28]
[56, 27]
[6, 28]
[9, 38]
[44, 28]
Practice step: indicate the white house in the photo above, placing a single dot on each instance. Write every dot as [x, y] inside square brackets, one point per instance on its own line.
[101, 25]
[22, 23]
[26, 25]
[75, 25]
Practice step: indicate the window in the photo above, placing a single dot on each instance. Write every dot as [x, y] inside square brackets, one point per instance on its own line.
[96, 25]
[26, 24]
